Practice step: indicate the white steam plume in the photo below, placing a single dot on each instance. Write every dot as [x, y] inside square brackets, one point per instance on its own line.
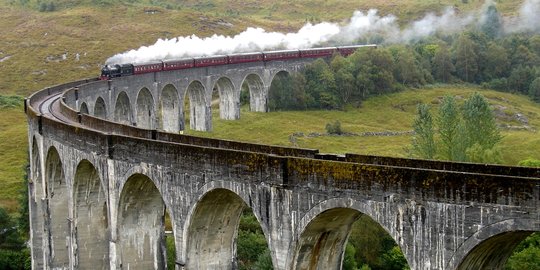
[528, 19]
[361, 26]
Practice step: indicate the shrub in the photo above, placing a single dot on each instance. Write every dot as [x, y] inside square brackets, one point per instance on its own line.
[334, 128]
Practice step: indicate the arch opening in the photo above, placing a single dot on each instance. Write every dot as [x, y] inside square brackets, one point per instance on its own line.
[224, 97]
[100, 110]
[122, 109]
[197, 114]
[214, 230]
[84, 108]
[141, 225]
[282, 94]
[36, 194]
[494, 252]
[257, 96]
[57, 196]
[344, 238]
[90, 218]
[169, 117]
[145, 109]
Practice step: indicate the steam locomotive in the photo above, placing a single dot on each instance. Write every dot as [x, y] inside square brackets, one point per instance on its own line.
[112, 71]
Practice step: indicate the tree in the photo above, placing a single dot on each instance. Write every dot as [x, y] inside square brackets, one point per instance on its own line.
[442, 65]
[349, 263]
[491, 22]
[524, 57]
[406, 70]
[423, 139]
[320, 79]
[480, 126]
[526, 255]
[534, 90]
[466, 58]
[520, 79]
[373, 72]
[473, 136]
[450, 130]
[496, 62]
[530, 163]
[344, 78]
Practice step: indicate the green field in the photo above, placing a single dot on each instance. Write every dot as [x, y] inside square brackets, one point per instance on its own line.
[393, 113]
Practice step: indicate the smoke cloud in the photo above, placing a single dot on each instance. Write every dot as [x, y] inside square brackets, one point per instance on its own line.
[362, 27]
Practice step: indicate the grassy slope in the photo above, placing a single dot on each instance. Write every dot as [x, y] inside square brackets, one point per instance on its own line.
[36, 41]
[13, 142]
[385, 113]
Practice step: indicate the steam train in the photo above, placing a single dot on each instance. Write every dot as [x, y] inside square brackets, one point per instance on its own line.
[112, 71]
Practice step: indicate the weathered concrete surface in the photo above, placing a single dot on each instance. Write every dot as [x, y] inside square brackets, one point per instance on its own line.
[99, 190]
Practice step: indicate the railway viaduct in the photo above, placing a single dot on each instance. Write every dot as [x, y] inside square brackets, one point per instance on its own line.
[108, 165]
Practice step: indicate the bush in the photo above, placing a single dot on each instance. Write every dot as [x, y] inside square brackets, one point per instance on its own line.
[334, 128]
[530, 163]
[497, 84]
[11, 101]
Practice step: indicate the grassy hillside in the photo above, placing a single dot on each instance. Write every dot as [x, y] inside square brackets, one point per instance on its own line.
[391, 113]
[39, 49]
[13, 145]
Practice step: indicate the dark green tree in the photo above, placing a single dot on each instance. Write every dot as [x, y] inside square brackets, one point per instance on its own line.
[349, 263]
[423, 142]
[406, 70]
[526, 255]
[344, 78]
[496, 62]
[466, 58]
[524, 57]
[534, 90]
[520, 79]
[320, 85]
[491, 24]
[442, 66]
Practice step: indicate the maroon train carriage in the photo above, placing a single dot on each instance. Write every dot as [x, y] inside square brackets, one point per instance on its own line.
[147, 67]
[211, 61]
[281, 55]
[245, 57]
[318, 52]
[178, 64]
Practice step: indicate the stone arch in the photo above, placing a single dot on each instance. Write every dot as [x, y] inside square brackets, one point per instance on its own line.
[145, 109]
[491, 246]
[257, 92]
[90, 217]
[141, 235]
[279, 93]
[122, 109]
[36, 194]
[199, 117]
[212, 228]
[322, 233]
[100, 109]
[57, 195]
[84, 108]
[229, 102]
[170, 109]
[322, 242]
